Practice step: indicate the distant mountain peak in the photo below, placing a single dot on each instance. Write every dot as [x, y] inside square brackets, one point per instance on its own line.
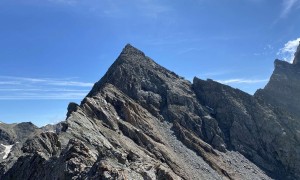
[297, 55]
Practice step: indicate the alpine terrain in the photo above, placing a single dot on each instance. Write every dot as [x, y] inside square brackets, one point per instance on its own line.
[142, 121]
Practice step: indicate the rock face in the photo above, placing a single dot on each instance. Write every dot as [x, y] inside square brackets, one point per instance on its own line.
[285, 86]
[142, 121]
[297, 56]
[265, 135]
[283, 89]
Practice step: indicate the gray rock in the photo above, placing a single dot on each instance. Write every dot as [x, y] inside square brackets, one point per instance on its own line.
[263, 134]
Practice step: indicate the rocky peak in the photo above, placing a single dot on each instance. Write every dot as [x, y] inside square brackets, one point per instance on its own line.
[130, 50]
[297, 55]
[284, 85]
[279, 64]
[133, 69]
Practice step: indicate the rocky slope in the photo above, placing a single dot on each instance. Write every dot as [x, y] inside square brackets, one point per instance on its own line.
[142, 121]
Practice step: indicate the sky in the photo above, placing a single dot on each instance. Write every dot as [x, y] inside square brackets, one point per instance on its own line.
[53, 51]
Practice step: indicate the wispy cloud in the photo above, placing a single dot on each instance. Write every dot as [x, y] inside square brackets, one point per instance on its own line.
[118, 8]
[152, 8]
[171, 41]
[24, 88]
[287, 52]
[267, 50]
[43, 96]
[43, 90]
[70, 83]
[9, 82]
[212, 73]
[287, 6]
[45, 81]
[256, 1]
[188, 50]
[242, 81]
[67, 2]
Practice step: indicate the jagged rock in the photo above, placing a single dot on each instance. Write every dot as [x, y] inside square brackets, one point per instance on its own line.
[283, 94]
[261, 133]
[283, 89]
[142, 121]
[46, 144]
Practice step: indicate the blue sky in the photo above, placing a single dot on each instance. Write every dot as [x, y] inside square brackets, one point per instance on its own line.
[52, 51]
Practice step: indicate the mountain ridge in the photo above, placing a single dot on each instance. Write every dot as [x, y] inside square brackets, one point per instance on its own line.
[142, 121]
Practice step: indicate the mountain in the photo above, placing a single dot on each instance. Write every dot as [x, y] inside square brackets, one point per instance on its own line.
[142, 121]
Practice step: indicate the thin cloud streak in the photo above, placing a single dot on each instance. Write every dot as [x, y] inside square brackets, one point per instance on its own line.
[57, 97]
[70, 83]
[46, 96]
[188, 50]
[45, 90]
[216, 73]
[287, 7]
[66, 2]
[45, 81]
[9, 83]
[24, 88]
[118, 8]
[242, 81]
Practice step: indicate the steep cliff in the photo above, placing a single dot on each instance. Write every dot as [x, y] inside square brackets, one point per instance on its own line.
[283, 89]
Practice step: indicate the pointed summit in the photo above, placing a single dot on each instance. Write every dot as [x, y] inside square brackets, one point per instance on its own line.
[297, 55]
[130, 50]
[133, 71]
[284, 85]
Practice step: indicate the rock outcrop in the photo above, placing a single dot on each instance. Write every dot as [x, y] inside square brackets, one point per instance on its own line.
[283, 89]
[142, 121]
[263, 134]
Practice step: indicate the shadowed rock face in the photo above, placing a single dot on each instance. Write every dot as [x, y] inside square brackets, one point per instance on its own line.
[264, 134]
[297, 56]
[142, 121]
[283, 89]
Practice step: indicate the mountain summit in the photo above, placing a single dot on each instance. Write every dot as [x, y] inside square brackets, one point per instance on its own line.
[297, 55]
[142, 121]
[283, 89]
